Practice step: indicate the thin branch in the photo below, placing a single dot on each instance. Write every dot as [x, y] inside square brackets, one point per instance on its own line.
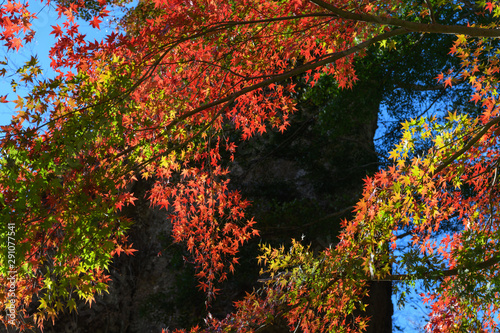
[419, 87]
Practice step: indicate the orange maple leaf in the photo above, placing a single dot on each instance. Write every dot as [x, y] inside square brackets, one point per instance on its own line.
[475, 98]
[447, 82]
[15, 43]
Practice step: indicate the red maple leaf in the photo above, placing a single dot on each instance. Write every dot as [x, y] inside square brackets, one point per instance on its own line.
[95, 22]
[12, 6]
[489, 6]
[57, 31]
[104, 12]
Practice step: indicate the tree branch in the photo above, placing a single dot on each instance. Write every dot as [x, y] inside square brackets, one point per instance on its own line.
[280, 77]
[439, 274]
[299, 70]
[419, 87]
[411, 26]
[469, 144]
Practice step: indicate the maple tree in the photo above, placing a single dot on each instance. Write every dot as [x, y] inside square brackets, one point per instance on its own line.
[158, 100]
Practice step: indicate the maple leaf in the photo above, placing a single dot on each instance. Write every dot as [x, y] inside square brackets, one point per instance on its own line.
[12, 6]
[129, 250]
[119, 205]
[185, 173]
[104, 12]
[111, 37]
[476, 98]
[57, 31]
[447, 82]
[247, 133]
[15, 43]
[69, 75]
[19, 102]
[368, 8]
[118, 250]
[95, 22]
[489, 6]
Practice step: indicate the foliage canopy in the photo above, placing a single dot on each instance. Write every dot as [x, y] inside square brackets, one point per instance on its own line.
[159, 98]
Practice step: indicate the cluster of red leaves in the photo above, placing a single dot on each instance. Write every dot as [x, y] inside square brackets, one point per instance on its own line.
[454, 183]
[205, 215]
[443, 318]
[15, 23]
